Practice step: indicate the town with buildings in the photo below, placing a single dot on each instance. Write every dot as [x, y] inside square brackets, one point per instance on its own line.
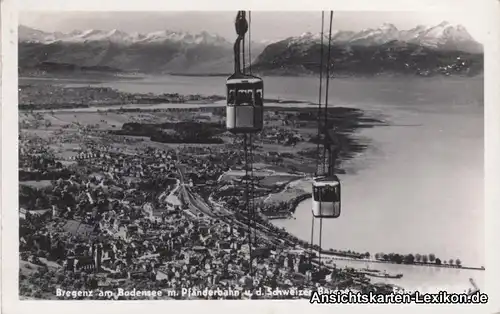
[107, 211]
[32, 97]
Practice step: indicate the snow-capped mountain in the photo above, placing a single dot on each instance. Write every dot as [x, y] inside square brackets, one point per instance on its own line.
[446, 36]
[114, 35]
[442, 49]
[34, 35]
[412, 34]
[421, 49]
[27, 34]
[161, 51]
[379, 36]
[443, 36]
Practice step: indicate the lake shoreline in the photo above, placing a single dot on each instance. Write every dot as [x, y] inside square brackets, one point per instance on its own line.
[301, 197]
[403, 264]
[265, 73]
[57, 96]
[419, 105]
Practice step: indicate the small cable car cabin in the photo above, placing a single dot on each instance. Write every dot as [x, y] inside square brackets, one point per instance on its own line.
[326, 197]
[245, 104]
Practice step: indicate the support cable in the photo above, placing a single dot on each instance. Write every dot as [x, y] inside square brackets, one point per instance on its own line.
[318, 163]
[327, 143]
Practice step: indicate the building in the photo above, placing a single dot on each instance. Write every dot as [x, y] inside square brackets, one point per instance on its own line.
[97, 256]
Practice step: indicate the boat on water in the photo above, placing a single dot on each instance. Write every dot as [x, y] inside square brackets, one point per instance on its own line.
[475, 287]
[378, 274]
[370, 270]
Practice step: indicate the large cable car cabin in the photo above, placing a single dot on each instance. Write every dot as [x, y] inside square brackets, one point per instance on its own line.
[326, 197]
[245, 110]
[245, 93]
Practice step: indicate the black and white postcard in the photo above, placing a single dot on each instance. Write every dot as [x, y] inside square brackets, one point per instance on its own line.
[318, 156]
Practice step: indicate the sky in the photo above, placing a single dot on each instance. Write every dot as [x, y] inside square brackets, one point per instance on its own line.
[265, 25]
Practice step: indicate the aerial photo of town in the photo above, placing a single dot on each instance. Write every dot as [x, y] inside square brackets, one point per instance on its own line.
[132, 194]
[151, 196]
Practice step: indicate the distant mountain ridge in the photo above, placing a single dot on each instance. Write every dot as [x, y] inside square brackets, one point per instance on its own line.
[420, 50]
[155, 52]
[443, 36]
[27, 34]
[442, 49]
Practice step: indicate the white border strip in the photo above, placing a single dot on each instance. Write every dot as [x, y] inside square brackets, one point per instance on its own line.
[260, 5]
[486, 11]
[492, 152]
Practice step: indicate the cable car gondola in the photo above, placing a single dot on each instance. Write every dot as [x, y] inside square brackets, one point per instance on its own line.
[245, 93]
[326, 197]
[326, 188]
[326, 185]
[245, 116]
[245, 110]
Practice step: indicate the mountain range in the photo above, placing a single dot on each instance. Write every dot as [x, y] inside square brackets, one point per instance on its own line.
[156, 52]
[443, 48]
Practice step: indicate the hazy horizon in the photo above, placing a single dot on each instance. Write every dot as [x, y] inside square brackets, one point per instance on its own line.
[265, 25]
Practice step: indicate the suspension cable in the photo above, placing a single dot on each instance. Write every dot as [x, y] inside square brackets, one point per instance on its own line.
[250, 42]
[319, 122]
[320, 239]
[327, 143]
[254, 212]
[248, 163]
[243, 56]
[326, 129]
[251, 136]
[245, 148]
[320, 91]
[311, 249]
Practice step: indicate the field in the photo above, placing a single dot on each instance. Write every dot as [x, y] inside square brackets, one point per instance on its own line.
[101, 120]
[278, 166]
[36, 184]
[267, 178]
[293, 190]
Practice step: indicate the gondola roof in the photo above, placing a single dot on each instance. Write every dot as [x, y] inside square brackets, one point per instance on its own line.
[326, 179]
[239, 77]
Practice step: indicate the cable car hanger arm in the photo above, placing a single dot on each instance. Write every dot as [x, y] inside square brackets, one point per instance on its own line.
[241, 26]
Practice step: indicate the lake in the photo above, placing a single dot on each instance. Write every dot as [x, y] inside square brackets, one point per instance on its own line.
[418, 188]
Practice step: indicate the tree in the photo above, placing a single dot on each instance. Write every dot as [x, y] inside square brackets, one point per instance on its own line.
[458, 262]
[432, 258]
[60, 278]
[377, 255]
[451, 261]
[45, 287]
[367, 255]
[418, 257]
[38, 203]
[425, 259]
[438, 261]
[398, 258]
[409, 259]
